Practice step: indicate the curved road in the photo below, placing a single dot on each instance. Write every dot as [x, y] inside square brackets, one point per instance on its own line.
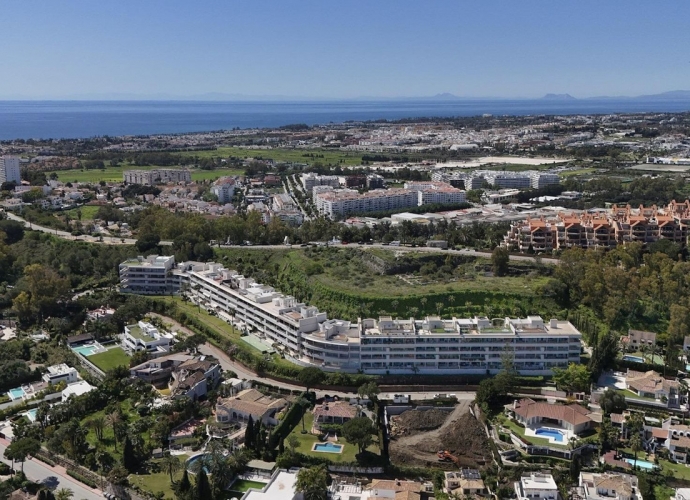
[108, 240]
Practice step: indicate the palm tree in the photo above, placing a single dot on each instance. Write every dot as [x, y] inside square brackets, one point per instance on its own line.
[636, 445]
[170, 464]
[64, 494]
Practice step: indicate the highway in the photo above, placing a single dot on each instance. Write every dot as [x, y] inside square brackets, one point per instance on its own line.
[53, 477]
[108, 240]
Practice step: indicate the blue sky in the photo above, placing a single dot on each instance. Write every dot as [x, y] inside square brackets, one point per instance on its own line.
[517, 48]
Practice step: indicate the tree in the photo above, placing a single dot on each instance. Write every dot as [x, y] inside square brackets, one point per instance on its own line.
[64, 494]
[608, 435]
[310, 377]
[45, 494]
[21, 448]
[292, 442]
[249, 437]
[183, 488]
[147, 241]
[506, 380]
[171, 464]
[359, 431]
[499, 261]
[98, 424]
[635, 443]
[369, 391]
[575, 378]
[612, 402]
[312, 482]
[129, 460]
[203, 487]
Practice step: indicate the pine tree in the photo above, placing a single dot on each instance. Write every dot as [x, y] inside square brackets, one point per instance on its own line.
[203, 487]
[249, 433]
[183, 489]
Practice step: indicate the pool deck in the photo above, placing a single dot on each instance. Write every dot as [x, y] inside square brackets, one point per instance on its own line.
[313, 448]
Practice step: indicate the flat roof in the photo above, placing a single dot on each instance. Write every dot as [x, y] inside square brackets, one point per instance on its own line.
[281, 487]
[136, 332]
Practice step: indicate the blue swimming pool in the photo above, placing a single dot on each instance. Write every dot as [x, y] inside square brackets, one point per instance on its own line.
[16, 393]
[327, 448]
[642, 464]
[85, 350]
[557, 436]
[193, 465]
[634, 359]
[31, 414]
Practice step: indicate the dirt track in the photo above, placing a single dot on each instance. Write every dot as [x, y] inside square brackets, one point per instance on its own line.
[461, 434]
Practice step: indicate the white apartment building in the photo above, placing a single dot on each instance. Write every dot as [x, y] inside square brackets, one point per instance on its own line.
[337, 204]
[311, 179]
[536, 486]
[150, 275]
[157, 176]
[515, 180]
[145, 337]
[224, 189]
[430, 345]
[9, 169]
[609, 486]
[543, 179]
[61, 373]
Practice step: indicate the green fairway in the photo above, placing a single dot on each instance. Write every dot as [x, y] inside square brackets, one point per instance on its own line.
[88, 212]
[324, 156]
[114, 174]
[112, 358]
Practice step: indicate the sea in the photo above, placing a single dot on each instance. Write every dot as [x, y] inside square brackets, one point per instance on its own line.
[80, 119]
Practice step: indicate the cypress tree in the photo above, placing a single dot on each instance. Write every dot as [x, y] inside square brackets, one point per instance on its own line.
[249, 433]
[203, 487]
[184, 487]
[128, 459]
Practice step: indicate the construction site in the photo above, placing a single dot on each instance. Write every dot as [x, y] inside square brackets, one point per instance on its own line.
[445, 438]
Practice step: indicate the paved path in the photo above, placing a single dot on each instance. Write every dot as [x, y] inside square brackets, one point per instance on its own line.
[54, 477]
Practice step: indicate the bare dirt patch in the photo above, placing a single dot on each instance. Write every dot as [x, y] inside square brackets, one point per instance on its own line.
[417, 437]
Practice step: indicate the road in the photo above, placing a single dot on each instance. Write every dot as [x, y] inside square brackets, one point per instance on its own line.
[245, 373]
[54, 477]
[108, 240]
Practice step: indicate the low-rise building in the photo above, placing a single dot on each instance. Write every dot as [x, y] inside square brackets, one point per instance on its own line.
[156, 176]
[157, 371]
[530, 413]
[76, 389]
[194, 378]
[536, 486]
[249, 402]
[653, 385]
[150, 275]
[146, 337]
[336, 412]
[61, 373]
[609, 486]
[224, 189]
[464, 483]
[637, 339]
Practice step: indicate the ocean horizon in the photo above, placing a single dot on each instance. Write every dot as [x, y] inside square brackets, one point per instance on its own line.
[82, 119]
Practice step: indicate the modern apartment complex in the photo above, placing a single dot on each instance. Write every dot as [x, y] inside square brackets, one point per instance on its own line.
[429, 193]
[618, 226]
[311, 179]
[157, 176]
[429, 345]
[9, 169]
[144, 336]
[150, 275]
[502, 180]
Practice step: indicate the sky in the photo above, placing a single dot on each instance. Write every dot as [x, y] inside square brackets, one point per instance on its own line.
[346, 49]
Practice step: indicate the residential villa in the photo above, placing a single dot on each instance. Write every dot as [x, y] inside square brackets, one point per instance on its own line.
[76, 389]
[672, 436]
[249, 402]
[638, 339]
[536, 486]
[337, 412]
[193, 378]
[653, 385]
[465, 483]
[61, 373]
[551, 421]
[608, 486]
[157, 371]
[145, 337]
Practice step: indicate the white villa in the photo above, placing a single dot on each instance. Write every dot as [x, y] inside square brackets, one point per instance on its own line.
[609, 486]
[61, 373]
[145, 337]
[536, 486]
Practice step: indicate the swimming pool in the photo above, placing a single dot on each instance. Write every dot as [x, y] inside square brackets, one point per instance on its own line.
[642, 464]
[551, 433]
[16, 393]
[327, 448]
[191, 463]
[31, 414]
[634, 359]
[85, 350]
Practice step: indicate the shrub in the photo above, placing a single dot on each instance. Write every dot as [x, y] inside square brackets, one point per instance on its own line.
[82, 479]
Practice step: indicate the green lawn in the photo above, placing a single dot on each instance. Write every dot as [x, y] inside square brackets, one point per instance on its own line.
[630, 394]
[108, 442]
[88, 212]
[306, 442]
[110, 359]
[579, 171]
[325, 156]
[114, 174]
[224, 329]
[158, 481]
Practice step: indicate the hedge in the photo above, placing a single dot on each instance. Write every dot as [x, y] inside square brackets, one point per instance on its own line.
[82, 479]
[289, 421]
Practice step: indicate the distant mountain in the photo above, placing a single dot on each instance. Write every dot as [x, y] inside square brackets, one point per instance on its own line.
[676, 95]
[558, 97]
